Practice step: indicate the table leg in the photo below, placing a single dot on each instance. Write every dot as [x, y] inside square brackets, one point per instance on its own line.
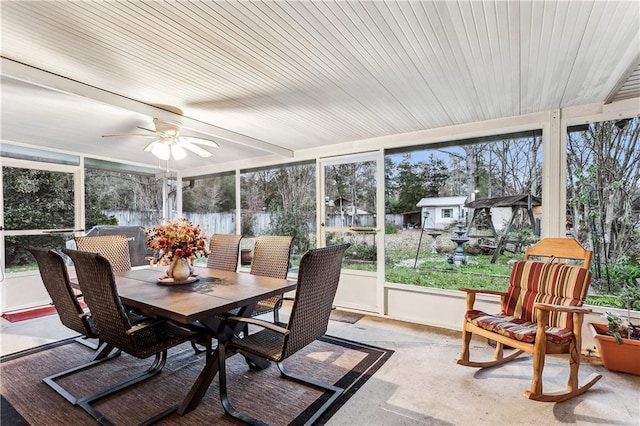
[201, 385]
[210, 369]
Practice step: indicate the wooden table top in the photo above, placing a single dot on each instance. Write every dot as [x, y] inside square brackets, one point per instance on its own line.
[215, 292]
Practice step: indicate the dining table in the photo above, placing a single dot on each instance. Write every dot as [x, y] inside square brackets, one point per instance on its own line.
[208, 294]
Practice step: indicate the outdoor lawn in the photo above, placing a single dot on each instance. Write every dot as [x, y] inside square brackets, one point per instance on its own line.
[434, 270]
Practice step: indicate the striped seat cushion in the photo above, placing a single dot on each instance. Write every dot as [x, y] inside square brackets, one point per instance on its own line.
[516, 328]
[537, 282]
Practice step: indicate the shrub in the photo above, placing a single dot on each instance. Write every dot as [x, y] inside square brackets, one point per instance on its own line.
[391, 229]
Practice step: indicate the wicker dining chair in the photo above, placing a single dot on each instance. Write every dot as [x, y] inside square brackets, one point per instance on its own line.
[223, 251]
[271, 255]
[318, 279]
[72, 315]
[114, 247]
[153, 337]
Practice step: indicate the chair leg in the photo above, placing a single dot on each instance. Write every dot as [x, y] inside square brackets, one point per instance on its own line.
[85, 403]
[499, 357]
[539, 355]
[335, 391]
[276, 310]
[224, 398]
[104, 350]
[51, 380]
[499, 352]
[466, 341]
[230, 410]
[573, 389]
[199, 348]
[84, 340]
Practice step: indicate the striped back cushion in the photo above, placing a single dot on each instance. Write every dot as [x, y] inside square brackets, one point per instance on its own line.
[545, 282]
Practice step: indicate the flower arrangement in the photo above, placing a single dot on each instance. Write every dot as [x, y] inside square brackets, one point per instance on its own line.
[177, 239]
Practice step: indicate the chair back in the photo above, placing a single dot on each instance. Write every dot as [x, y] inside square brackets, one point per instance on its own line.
[566, 250]
[224, 249]
[318, 279]
[113, 247]
[56, 280]
[559, 276]
[98, 285]
[271, 256]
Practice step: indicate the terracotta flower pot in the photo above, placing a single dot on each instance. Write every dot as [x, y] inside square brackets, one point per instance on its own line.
[246, 257]
[624, 358]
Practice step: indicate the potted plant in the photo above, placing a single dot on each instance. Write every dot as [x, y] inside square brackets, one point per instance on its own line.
[618, 341]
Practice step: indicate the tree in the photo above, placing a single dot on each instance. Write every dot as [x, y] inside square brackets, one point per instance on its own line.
[288, 194]
[603, 182]
[434, 174]
[210, 194]
[514, 166]
[117, 190]
[353, 182]
[414, 180]
[293, 209]
[35, 199]
[410, 189]
[256, 189]
[456, 182]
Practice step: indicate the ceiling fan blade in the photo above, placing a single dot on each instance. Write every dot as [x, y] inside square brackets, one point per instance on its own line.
[118, 135]
[199, 141]
[157, 132]
[194, 148]
[150, 146]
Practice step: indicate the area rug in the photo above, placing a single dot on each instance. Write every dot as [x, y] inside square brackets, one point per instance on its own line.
[263, 394]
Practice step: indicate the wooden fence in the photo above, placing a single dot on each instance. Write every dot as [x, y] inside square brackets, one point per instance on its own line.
[225, 223]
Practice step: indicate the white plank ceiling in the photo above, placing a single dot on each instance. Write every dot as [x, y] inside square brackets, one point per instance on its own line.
[269, 77]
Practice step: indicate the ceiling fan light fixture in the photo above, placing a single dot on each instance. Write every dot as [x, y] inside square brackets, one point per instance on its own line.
[161, 150]
[177, 151]
[168, 143]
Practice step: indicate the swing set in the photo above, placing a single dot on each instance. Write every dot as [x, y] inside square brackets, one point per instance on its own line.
[481, 224]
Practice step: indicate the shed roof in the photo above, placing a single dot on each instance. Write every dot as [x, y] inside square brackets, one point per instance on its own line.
[441, 201]
[509, 201]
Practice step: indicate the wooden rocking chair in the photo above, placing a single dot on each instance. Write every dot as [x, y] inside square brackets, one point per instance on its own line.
[541, 314]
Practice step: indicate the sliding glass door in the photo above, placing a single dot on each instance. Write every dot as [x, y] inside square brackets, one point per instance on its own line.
[39, 208]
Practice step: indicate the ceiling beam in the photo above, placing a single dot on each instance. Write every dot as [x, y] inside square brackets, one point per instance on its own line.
[23, 72]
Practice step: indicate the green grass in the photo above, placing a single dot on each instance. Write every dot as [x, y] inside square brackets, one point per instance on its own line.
[433, 270]
[22, 268]
[450, 279]
[611, 301]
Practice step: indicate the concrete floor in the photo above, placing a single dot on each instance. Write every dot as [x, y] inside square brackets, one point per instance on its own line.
[421, 385]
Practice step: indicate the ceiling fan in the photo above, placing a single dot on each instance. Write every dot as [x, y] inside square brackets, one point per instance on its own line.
[168, 142]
